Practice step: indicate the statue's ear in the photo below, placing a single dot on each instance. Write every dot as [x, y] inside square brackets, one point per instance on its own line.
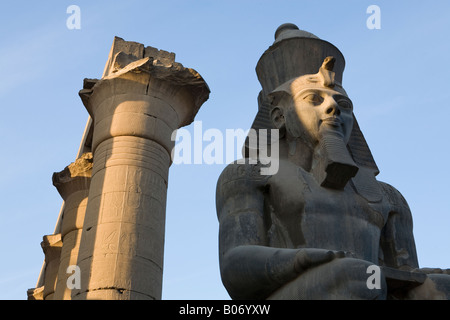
[278, 98]
[278, 119]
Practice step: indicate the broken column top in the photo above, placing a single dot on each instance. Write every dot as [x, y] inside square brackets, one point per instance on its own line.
[126, 56]
[160, 63]
[137, 51]
[76, 176]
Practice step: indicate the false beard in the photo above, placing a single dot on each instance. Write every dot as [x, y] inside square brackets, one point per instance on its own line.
[333, 165]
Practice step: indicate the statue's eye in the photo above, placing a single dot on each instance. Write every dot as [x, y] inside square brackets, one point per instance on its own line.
[313, 98]
[345, 104]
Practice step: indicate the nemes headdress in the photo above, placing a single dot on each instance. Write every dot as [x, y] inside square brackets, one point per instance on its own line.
[324, 78]
[299, 54]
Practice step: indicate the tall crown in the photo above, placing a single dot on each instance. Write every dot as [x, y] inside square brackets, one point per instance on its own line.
[295, 53]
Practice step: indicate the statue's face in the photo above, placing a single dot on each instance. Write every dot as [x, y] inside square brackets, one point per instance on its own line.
[318, 110]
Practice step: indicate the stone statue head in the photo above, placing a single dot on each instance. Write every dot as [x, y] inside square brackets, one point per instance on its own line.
[302, 95]
[313, 105]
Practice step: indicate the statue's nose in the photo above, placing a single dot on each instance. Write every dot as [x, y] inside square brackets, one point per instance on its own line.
[332, 108]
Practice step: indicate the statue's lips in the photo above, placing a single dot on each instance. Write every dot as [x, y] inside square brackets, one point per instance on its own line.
[332, 121]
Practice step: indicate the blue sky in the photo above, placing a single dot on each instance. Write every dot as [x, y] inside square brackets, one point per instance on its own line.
[397, 78]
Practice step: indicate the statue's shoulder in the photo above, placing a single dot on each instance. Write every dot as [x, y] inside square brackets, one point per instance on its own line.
[239, 184]
[243, 173]
[395, 199]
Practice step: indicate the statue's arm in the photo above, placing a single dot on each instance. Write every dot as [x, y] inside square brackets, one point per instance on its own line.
[399, 252]
[250, 269]
[397, 239]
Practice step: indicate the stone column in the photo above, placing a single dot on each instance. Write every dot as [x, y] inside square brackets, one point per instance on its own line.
[35, 293]
[135, 109]
[51, 245]
[73, 185]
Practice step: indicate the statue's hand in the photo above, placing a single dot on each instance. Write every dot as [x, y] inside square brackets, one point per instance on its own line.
[307, 258]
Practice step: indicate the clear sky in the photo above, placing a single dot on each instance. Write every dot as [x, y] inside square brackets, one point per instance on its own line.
[397, 77]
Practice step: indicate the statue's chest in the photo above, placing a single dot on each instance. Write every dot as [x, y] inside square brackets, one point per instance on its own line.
[306, 214]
